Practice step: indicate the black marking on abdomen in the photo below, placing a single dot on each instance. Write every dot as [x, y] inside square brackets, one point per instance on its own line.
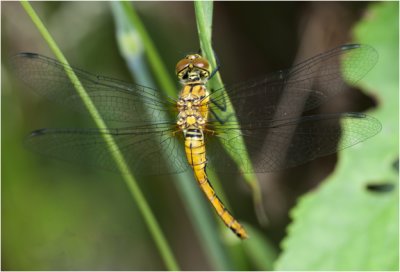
[194, 134]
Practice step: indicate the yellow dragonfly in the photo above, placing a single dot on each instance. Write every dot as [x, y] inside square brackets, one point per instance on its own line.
[153, 131]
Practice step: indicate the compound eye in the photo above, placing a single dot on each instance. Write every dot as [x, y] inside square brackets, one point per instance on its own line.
[181, 65]
[201, 63]
[193, 56]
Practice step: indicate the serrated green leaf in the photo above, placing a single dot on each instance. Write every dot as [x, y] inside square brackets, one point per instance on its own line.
[343, 225]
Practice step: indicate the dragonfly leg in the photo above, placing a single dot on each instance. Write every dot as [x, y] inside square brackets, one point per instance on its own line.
[219, 106]
[219, 119]
[216, 68]
[175, 132]
[210, 131]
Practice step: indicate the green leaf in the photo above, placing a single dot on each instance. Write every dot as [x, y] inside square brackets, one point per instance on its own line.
[343, 225]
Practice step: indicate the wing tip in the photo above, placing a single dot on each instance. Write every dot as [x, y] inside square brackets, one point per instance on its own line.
[374, 124]
[38, 132]
[350, 46]
[358, 115]
[372, 52]
[28, 55]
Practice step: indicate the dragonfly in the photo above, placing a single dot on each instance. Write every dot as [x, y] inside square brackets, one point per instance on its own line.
[265, 123]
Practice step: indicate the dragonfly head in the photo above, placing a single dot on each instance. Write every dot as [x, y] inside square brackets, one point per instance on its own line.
[193, 68]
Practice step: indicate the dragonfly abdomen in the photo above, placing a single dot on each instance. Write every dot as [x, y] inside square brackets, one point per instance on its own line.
[196, 156]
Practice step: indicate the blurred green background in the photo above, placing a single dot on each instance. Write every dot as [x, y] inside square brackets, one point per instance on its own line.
[57, 216]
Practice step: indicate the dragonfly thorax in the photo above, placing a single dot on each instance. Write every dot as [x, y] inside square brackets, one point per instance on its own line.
[189, 113]
[193, 107]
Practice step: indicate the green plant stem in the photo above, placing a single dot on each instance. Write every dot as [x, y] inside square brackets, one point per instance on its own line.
[136, 193]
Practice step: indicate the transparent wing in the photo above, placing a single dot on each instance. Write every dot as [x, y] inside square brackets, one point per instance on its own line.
[148, 150]
[288, 93]
[115, 100]
[268, 113]
[274, 136]
[278, 144]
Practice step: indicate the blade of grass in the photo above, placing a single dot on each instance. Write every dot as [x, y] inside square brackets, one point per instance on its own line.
[134, 41]
[203, 10]
[136, 193]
